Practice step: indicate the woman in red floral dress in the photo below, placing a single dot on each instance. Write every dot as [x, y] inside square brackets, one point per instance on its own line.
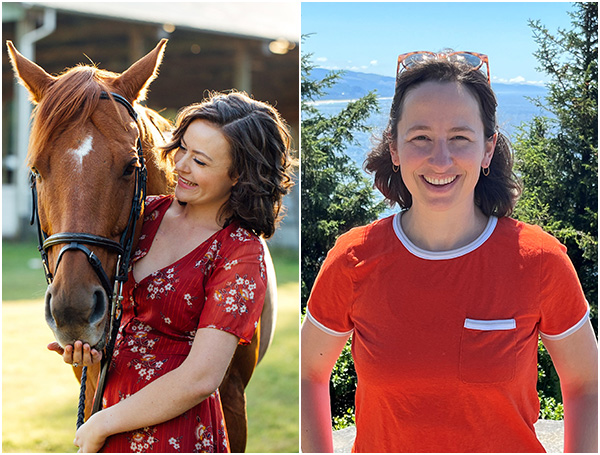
[196, 283]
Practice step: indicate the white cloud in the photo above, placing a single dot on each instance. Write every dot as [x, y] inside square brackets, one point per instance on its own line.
[321, 59]
[373, 62]
[516, 80]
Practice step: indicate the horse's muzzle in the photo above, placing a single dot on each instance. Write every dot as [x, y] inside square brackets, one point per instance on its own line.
[79, 314]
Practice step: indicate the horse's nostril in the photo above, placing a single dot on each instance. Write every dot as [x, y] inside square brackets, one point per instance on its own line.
[48, 308]
[99, 309]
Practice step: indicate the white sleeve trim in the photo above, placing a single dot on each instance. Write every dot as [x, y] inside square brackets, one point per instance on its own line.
[324, 328]
[570, 331]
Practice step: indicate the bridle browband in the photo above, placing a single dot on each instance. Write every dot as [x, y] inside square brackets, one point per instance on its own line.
[79, 240]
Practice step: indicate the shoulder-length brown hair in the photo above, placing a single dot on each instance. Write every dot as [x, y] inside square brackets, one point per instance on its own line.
[495, 194]
[261, 159]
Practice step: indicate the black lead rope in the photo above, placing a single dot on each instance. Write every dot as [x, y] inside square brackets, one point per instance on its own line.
[81, 406]
[76, 241]
[105, 362]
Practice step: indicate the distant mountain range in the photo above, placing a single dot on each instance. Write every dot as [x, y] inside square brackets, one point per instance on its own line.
[353, 85]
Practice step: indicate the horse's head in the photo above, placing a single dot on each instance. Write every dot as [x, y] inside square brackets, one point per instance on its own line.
[83, 155]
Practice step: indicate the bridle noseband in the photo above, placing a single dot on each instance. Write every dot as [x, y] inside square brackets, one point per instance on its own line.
[79, 240]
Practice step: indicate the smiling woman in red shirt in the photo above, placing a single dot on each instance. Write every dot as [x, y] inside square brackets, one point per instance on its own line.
[446, 299]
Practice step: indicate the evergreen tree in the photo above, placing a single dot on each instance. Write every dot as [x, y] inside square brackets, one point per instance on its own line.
[336, 196]
[557, 156]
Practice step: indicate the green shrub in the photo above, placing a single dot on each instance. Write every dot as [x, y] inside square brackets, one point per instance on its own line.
[342, 389]
[550, 409]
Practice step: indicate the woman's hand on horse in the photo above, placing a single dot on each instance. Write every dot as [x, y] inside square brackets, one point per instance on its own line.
[80, 353]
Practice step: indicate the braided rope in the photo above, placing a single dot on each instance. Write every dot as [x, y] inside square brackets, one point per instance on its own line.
[81, 407]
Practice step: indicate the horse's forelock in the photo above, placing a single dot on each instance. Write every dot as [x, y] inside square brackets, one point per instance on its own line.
[70, 101]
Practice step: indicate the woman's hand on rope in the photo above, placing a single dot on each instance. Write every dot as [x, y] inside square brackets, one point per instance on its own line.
[79, 354]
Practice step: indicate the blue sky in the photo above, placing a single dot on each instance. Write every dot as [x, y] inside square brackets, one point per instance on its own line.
[368, 37]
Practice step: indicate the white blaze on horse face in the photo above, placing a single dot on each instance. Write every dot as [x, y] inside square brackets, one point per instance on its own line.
[83, 150]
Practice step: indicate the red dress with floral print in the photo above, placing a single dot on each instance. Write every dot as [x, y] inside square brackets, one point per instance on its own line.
[220, 284]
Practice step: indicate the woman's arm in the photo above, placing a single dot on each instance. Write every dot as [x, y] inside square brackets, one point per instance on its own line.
[576, 361]
[168, 396]
[319, 352]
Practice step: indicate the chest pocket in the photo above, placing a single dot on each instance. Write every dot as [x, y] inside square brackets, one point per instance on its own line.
[488, 351]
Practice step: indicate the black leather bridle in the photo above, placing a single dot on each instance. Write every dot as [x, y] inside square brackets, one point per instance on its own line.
[79, 240]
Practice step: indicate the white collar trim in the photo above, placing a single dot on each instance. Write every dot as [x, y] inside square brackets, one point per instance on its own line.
[441, 255]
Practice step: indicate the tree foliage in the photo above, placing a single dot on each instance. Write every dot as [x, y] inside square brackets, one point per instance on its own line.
[336, 196]
[556, 156]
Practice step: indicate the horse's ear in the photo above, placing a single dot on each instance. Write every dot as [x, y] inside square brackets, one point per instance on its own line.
[32, 76]
[134, 82]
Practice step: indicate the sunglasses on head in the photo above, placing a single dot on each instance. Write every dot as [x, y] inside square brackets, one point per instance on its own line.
[472, 59]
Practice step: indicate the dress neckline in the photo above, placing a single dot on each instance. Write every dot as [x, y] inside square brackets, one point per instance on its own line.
[150, 238]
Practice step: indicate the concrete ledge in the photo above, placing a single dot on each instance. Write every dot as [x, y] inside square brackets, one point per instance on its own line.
[549, 432]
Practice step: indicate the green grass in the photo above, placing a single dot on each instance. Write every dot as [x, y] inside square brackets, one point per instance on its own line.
[22, 275]
[272, 395]
[39, 392]
[286, 265]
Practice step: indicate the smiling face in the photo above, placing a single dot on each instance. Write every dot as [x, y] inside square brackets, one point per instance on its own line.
[202, 163]
[441, 146]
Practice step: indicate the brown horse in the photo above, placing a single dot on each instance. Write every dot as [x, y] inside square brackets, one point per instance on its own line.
[82, 153]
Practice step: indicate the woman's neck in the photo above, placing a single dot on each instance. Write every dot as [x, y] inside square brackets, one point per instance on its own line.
[200, 216]
[443, 231]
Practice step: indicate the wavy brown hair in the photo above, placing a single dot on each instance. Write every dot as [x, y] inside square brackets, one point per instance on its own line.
[495, 194]
[261, 160]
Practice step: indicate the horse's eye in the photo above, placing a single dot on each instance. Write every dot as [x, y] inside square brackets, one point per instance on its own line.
[36, 174]
[130, 169]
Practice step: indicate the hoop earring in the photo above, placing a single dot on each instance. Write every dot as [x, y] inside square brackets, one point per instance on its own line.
[395, 168]
[485, 171]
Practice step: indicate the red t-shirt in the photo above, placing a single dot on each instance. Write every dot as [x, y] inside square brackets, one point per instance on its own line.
[445, 343]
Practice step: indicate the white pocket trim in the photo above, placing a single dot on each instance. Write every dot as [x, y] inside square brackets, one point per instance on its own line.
[490, 324]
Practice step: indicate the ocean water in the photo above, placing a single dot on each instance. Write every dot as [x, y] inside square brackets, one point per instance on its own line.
[514, 108]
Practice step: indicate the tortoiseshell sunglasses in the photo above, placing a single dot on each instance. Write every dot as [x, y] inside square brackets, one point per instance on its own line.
[473, 59]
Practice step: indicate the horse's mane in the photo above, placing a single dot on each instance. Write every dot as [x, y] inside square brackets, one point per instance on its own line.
[69, 101]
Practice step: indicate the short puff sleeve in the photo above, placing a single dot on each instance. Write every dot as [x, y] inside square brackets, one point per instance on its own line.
[236, 285]
[563, 306]
[332, 295]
